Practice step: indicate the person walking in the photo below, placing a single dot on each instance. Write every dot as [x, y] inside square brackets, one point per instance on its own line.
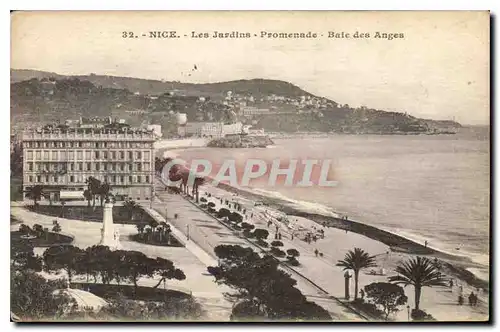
[316, 252]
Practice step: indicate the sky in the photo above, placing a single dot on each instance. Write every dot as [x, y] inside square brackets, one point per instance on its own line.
[439, 70]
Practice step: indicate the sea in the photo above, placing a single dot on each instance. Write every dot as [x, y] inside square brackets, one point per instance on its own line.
[433, 188]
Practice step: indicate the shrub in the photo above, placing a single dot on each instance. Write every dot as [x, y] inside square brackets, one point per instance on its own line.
[223, 212]
[420, 315]
[320, 254]
[203, 200]
[247, 234]
[277, 252]
[368, 308]
[388, 296]
[203, 206]
[277, 244]
[211, 204]
[247, 226]
[293, 252]
[211, 210]
[293, 261]
[262, 243]
[261, 234]
[235, 217]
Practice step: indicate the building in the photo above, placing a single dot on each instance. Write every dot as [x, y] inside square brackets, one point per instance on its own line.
[251, 110]
[61, 159]
[156, 129]
[209, 129]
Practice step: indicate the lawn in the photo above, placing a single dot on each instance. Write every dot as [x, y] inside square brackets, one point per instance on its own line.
[50, 239]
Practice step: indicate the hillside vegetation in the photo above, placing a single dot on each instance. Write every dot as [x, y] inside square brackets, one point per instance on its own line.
[41, 97]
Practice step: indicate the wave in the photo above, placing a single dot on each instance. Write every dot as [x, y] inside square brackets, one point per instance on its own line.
[481, 271]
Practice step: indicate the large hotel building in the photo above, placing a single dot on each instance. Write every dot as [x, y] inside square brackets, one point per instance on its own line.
[62, 158]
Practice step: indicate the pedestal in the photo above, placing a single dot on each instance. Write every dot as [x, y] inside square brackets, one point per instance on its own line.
[109, 236]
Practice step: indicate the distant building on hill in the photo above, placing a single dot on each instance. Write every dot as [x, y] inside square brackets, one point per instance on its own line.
[209, 129]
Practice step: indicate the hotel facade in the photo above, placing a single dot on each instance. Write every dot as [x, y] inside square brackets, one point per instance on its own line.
[62, 159]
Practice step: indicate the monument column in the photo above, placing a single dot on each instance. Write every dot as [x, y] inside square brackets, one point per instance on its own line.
[108, 235]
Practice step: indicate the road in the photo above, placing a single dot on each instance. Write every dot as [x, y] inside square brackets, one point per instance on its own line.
[208, 233]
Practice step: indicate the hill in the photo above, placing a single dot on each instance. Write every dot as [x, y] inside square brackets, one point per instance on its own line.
[39, 97]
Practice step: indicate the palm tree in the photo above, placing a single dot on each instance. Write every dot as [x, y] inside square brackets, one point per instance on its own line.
[356, 261]
[93, 186]
[131, 206]
[35, 193]
[419, 272]
[153, 224]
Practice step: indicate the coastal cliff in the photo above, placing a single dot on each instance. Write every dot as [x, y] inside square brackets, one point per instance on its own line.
[241, 141]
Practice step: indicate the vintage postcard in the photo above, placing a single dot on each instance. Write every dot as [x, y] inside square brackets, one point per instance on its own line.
[250, 166]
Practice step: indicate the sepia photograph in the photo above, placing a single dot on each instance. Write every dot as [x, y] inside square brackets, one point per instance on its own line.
[250, 166]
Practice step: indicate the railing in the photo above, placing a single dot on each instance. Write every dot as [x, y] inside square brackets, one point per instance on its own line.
[89, 136]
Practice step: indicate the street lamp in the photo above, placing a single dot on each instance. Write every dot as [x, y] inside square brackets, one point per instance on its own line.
[408, 309]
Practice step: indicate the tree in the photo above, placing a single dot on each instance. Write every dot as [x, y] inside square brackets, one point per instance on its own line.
[235, 217]
[97, 261]
[387, 295]
[24, 229]
[356, 260]
[57, 228]
[35, 193]
[94, 187]
[166, 270]
[38, 230]
[88, 196]
[153, 224]
[103, 192]
[64, 257]
[418, 272]
[23, 257]
[131, 207]
[262, 290]
[140, 228]
[34, 298]
[137, 265]
[223, 212]
[277, 243]
[247, 226]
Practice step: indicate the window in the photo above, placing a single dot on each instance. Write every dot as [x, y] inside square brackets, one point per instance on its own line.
[97, 166]
[146, 155]
[37, 144]
[71, 167]
[114, 178]
[105, 167]
[79, 155]
[30, 166]
[44, 144]
[130, 167]
[38, 178]
[60, 144]
[87, 155]
[113, 155]
[38, 155]
[54, 178]
[130, 155]
[54, 155]
[96, 154]
[89, 166]
[71, 178]
[29, 155]
[30, 178]
[105, 154]
[122, 179]
[46, 167]
[63, 155]
[70, 144]
[139, 179]
[122, 167]
[122, 155]
[130, 179]
[139, 167]
[46, 178]
[78, 144]
[139, 155]
[147, 178]
[146, 166]
[45, 155]
[80, 166]
[71, 155]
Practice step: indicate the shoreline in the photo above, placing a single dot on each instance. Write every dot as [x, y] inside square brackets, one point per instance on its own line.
[455, 264]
